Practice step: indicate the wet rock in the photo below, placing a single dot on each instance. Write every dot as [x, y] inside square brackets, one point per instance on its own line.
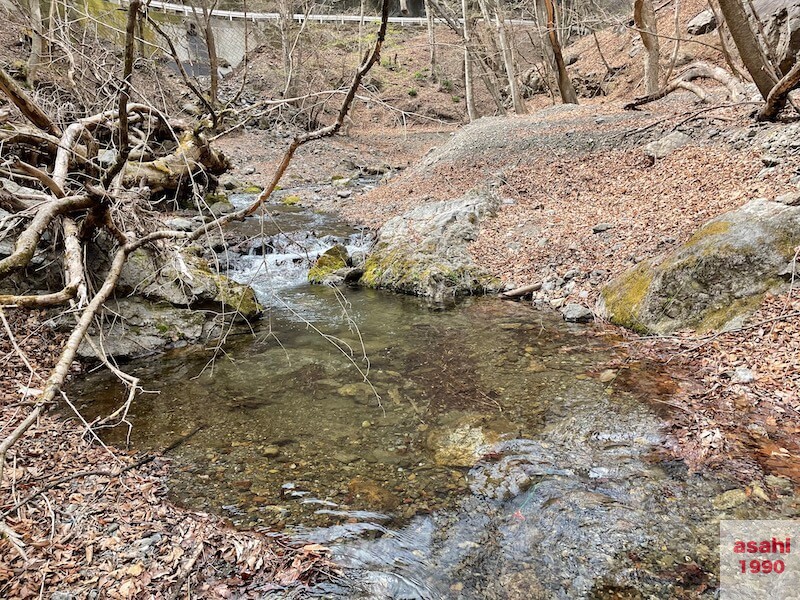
[270, 452]
[465, 439]
[424, 251]
[138, 327]
[663, 147]
[715, 279]
[372, 493]
[703, 23]
[331, 260]
[577, 313]
[345, 457]
[729, 499]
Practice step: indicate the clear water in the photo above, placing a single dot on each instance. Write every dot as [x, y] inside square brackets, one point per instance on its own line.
[462, 452]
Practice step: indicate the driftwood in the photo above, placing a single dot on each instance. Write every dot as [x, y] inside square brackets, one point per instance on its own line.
[521, 292]
[698, 70]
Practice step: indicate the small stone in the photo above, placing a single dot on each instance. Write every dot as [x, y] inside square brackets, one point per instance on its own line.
[366, 424]
[576, 313]
[608, 375]
[770, 160]
[557, 303]
[780, 484]
[270, 452]
[571, 274]
[345, 457]
[743, 375]
[666, 145]
[601, 227]
[179, 224]
[248, 170]
[62, 596]
[344, 193]
[729, 499]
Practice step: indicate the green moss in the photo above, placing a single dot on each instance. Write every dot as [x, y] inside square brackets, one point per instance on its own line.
[214, 198]
[252, 189]
[717, 319]
[331, 260]
[291, 200]
[708, 230]
[624, 297]
[236, 296]
[162, 328]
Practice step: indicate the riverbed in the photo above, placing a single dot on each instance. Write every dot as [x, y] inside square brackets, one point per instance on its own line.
[479, 450]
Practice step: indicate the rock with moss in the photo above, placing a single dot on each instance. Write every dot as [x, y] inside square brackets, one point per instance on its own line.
[333, 260]
[185, 280]
[715, 280]
[425, 252]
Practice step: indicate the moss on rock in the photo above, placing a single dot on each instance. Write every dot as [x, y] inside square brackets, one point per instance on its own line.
[330, 261]
[624, 296]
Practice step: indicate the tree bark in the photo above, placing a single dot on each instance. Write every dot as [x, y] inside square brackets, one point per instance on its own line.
[565, 87]
[431, 40]
[37, 40]
[469, 90]
[756, 63]
[644, 17]
[27, 106]
[508, 61]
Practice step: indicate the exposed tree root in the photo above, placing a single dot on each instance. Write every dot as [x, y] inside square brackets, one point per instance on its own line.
[698, 70]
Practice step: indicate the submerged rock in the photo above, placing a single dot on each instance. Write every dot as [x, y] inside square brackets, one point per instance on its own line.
[715, 279]
[424, 252]
[463, 440]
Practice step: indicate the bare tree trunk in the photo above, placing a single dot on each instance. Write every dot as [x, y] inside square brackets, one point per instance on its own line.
[565, 87]
[431, 40]
[37, 41]
[285, 24]
[469, 90]
[213, 59]
[760, 69]
[28, 108]
[508, 61]
[644, 17]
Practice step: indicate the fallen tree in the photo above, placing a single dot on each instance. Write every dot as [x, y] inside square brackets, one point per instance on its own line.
[78, 198]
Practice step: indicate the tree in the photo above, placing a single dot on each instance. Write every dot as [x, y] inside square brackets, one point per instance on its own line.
[752, 54]
[644, 17]
[565, 87]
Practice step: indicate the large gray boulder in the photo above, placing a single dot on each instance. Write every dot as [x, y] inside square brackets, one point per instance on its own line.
[185, 280]
[137, 327]
[703, 23]
[714, 280]
[425, 251]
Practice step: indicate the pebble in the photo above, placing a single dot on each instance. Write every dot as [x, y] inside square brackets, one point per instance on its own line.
[366, 424]
[608, 375]
[601, 227]
[270, 452]
[344, 193]
[248, 170]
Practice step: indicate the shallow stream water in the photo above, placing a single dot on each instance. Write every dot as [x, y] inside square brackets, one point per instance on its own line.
[483, 450]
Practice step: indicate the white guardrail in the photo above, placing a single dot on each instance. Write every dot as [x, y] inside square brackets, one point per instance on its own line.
[185, 9]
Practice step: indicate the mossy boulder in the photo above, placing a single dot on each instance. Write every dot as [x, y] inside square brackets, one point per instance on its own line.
[425, 252]
[185, 280]
[715, 280]
[332, 260]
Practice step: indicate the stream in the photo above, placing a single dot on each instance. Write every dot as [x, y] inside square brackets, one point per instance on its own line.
[483, 450]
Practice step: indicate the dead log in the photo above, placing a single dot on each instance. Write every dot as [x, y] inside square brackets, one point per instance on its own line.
[521, 292]
[193, 156]
[27, 106]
